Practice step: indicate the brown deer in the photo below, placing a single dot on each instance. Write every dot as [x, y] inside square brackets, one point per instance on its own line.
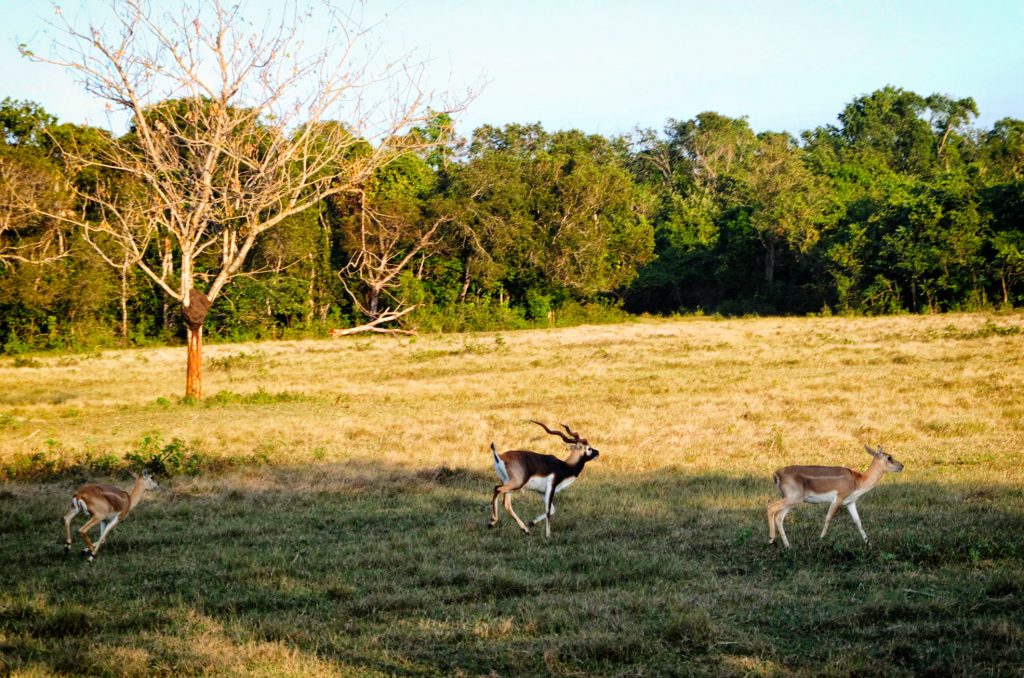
[542, 473]
[106, 505]
[833, 485]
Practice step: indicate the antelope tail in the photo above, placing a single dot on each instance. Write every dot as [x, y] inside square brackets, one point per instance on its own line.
[775, 479]
[499, 465]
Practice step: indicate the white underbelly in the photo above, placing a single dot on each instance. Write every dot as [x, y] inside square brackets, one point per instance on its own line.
[538, 484]
[823, 498]
[854, 496]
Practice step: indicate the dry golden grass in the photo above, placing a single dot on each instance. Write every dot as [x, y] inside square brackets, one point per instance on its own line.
[353, 542]
[942, 393]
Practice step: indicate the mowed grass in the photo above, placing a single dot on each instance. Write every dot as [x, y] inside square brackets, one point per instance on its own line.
[349, 537]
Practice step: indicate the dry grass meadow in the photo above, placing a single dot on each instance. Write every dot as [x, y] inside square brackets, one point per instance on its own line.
[337, 522]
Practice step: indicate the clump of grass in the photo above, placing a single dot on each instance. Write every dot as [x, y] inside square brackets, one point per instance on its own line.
[260, 397]
[225, 398]
[239, 361]
[988, 329]
[469, 347]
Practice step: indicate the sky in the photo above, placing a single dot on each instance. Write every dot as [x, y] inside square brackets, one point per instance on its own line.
[608, 67]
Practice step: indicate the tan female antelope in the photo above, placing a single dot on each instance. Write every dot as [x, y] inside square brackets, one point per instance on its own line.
[542, 473]
[833, 485]
[106, 505]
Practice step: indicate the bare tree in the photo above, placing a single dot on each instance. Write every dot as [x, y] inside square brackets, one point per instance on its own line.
[31, 189]
[234, 128]
[382, 244]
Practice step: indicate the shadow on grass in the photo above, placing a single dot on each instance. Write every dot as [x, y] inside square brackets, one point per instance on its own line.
[363, 569]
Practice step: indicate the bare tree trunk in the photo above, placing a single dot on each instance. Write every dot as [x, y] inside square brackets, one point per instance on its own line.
[194, 369]
[310, 293]
[374, 303]
[195, 314]
[1006, 291]
[166, 269]
[465, 284]
[769, 262]
[124, 304]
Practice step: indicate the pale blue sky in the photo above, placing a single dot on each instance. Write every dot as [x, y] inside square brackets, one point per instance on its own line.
[607, 66]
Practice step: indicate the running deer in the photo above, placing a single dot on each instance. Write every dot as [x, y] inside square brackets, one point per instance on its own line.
[542, 473]
[833, 485]
[106, 505]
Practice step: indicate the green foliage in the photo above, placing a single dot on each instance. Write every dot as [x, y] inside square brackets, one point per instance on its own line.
[901, 206]
[173, 458]
[556, 215]
[151, 453]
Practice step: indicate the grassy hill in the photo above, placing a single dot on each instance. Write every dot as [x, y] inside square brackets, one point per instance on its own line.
[330, 507]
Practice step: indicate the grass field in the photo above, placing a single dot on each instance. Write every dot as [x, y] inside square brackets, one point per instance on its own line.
[336, 521]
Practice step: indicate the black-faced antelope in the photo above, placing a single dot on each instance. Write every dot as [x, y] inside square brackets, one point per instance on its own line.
[542, 473]
[833, 485]
[106, 505]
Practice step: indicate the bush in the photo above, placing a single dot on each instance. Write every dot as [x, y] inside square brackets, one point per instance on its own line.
[176, 457]
[53, 463]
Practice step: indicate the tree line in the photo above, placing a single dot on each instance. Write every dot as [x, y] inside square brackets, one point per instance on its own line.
[901, 205]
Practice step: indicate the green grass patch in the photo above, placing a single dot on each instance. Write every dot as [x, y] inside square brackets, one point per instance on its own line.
[228, 398]
[667, 574]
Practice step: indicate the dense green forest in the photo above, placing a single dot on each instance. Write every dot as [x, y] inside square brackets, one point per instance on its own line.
[901, 205]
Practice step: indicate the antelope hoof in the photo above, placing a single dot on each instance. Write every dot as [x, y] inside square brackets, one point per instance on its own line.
[67, 549]
[526, 530]
[491, 524]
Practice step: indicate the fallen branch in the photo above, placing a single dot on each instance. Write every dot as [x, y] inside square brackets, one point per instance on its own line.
[374, 325]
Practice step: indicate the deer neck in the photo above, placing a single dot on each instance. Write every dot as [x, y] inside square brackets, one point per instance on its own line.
[575, 461]
[871, 476]
[136, 493]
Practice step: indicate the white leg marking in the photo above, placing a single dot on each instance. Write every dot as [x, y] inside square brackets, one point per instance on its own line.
[780, 519]
[832, 508]
[549, 506]
[105, 530]
[544, 516]
[852, 508]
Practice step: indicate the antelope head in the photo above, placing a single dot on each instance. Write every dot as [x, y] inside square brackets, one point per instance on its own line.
[578, 447]
[888, 463]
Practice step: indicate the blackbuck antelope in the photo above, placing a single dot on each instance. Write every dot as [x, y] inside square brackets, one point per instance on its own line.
[542, 473]
[106, 505]
[833, 485]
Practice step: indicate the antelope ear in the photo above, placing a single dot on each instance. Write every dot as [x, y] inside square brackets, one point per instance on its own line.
[873, 453]
[133, 474]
